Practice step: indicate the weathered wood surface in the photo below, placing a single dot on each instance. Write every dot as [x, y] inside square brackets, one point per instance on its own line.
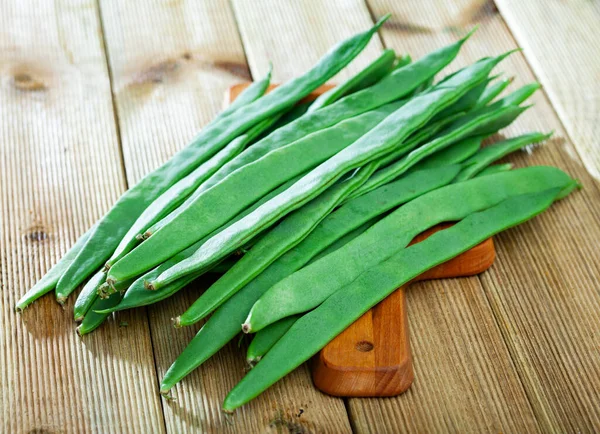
[561, 44]
[60, 171]
[515, 350]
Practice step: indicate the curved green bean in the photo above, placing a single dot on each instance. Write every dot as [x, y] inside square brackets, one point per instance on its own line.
[376, 143]
[264, 340]
[333, 232]
[494, 152]
[254, 91]
[88, 295]
[223, 201]
[374, 72]
[112, 227]
[308, 287]
[314, 330]
[48, 282]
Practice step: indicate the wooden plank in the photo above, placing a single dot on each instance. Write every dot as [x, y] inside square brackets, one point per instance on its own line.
[172, 63]
[525, 339]
[561, 44]
[60, 171]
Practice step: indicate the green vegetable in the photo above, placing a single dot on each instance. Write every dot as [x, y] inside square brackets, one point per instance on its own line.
[376, 143]
[267, 337]
[308, 287]
[457, 153]
[112, 227]
[314, 330]
[374, 72]
[333, 232]
[88, 295]
[489, 154]
[492, 91]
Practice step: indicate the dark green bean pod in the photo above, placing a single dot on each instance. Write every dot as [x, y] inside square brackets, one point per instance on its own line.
[109, 231]
[314, 330]
[453, 154]
[492, 91]
[308, 287]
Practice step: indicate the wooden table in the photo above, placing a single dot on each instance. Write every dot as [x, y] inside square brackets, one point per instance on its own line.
[94, 94]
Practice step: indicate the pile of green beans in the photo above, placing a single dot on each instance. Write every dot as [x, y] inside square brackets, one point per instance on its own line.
[306, 209]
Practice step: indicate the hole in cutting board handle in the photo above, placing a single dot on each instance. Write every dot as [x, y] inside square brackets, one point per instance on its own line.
[364, 346]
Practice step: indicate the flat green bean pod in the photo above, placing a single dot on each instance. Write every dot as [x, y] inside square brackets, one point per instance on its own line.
[314, 330]
[223, 201]
[334, 231]
[109, 231]
[292, 230]
[375, 144]
[264, 340]
[254, 91]
[494, 152]
[374, 72]
[50, 279]
[308, 287]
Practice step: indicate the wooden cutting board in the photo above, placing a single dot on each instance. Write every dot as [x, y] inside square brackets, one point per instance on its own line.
[372, 357]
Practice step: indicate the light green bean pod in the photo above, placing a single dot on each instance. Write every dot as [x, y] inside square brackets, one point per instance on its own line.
[264, 340]
[496, 168]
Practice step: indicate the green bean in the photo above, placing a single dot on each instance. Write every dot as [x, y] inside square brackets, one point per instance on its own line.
[471, 127]
[88, 295]
[241, 188]
[314, 330]
[292, 230]
[92, 319]
[516, 97]
[333, 232]
[308, 287]
[496, 168]
[454, 154]
[264, 340]
[466, 103]
[376, 143]
[489, 154]
[112, 227]
[374, 72]
[250, 94]
[492, 92]
[400, 83]
[48, 282]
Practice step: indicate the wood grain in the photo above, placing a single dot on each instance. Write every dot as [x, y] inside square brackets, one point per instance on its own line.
[561, 44]
[171, 64]
[492, 367]
[59, 172]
